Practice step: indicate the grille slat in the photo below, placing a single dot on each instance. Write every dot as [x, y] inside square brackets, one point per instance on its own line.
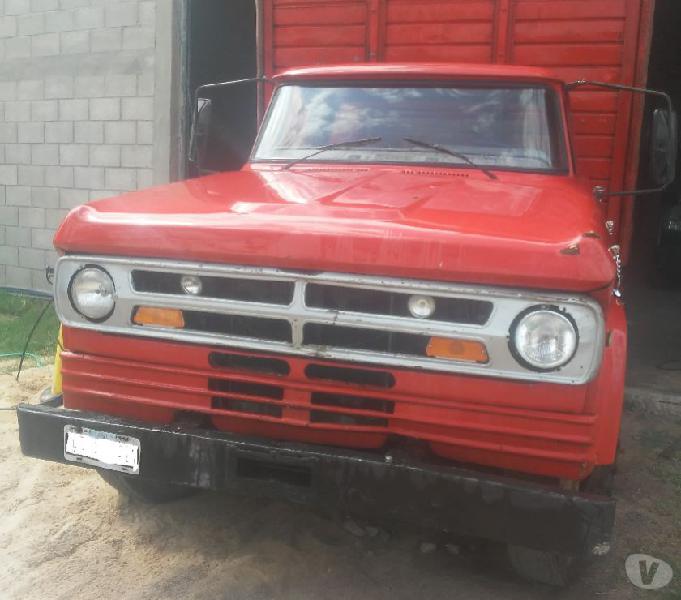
[380, 302]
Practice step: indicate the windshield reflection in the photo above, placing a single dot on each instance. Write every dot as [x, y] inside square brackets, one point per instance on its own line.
[505, 127]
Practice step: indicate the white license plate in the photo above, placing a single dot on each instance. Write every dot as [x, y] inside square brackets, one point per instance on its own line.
[102, 449]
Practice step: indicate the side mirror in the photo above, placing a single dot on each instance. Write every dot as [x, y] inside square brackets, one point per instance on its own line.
[200, 132]
[663, 147]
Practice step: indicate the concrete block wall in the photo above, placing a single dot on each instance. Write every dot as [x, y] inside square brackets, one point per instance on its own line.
[77, 102]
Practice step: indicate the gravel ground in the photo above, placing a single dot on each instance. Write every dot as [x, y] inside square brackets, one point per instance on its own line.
[65, 534]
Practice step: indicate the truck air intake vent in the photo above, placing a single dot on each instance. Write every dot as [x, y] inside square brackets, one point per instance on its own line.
[238, 325]
[349, 410]
[252, 364]
[232, 392]
[379, 302]
[226, 288]
[352, 338]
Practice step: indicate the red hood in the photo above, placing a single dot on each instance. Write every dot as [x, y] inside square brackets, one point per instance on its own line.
[440, 224]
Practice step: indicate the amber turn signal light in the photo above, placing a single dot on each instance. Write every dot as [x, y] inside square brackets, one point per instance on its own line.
[453, 349]
[159, 317]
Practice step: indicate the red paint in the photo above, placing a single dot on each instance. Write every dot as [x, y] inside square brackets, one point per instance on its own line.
[546, 429]
[440, 224]
[603, 40]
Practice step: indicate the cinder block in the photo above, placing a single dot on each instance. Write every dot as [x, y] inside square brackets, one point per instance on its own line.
[90, 86]
[44, 110]
[8, 27]
[120, 85]
[73, 154]
[31, 133]
[89, 178]
[17, 48]
[8, 174]
[45, 44]
[90, 17]
[73, 110]
[18, 195]
[9, 216]
[145, 84]
[121, 179]
[99, 194]
[145, 132]
[59, 176]
[147, 13]
[105, 109]
[70, 198]
[145, 178]
[42, 238]
[9, 255]
[139, 38]
[32, 258]
[138, 109]
[136, 156]
[54, 217]
[44, 5]
[18, 236]
[31, 24]
[45, 154]
[18, 277]
[89, 132]
[30, 175]
[59, 87]
[30, 89]
[17, 111]
[8, 90]
[75, 42]
[39, 281]
[121, 14]
[8, 133]
[106, 40]
[105, 156]
[17, 7]
[17, 154]
[59, 132]
[120, 132]
[31, 217]
[59, 20]
[67, 4]
[45, 197]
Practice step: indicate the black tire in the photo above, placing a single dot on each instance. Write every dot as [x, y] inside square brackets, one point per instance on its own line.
[145, 490]
[550, 568]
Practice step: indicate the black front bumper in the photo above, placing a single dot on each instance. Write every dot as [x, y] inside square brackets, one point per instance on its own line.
[367, 485]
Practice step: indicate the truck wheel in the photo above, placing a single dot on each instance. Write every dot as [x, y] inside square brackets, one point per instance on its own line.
[550, 568]
[145, 490]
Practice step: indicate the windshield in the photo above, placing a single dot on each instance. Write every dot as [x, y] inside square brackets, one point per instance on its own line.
[500, 127]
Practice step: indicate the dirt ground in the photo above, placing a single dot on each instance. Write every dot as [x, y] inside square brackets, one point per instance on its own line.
[65, 534]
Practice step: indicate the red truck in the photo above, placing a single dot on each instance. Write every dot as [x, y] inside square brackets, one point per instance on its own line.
[404, 306]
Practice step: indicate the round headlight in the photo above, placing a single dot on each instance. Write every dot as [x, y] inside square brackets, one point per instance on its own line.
[421, 307]
[544, 338]
[191, 285]
[92, 293]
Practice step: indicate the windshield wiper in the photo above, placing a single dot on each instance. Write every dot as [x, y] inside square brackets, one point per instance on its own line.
[453, 153]
[348, 144]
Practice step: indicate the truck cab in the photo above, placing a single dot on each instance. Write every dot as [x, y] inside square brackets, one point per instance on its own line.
[403, 306]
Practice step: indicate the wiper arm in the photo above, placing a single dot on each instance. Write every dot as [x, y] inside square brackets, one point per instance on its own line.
[453, 153]
[348, 144]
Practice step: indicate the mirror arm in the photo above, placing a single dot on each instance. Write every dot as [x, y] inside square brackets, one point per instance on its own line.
[195, 105]
[628, 88]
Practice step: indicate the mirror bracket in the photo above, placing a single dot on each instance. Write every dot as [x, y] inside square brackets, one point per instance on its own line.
[602, 193]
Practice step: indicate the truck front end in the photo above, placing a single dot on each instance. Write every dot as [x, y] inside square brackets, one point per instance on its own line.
[401, 308]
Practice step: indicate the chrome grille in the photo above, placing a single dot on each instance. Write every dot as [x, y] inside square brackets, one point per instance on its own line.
[334, 316]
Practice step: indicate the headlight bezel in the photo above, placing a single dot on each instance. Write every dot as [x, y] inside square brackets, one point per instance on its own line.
[74, 304]
[539, 308]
